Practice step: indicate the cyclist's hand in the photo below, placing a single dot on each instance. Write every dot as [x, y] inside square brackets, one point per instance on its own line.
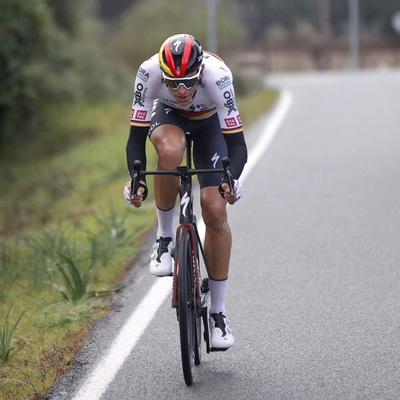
[137, 200]
[238, 191]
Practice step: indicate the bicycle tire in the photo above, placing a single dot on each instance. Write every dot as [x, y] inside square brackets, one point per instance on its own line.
[198, 312]
[186, 305]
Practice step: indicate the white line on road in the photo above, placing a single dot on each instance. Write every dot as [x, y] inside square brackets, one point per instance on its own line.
[123, 344]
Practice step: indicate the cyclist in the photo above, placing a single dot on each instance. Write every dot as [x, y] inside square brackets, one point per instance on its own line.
[183, 89]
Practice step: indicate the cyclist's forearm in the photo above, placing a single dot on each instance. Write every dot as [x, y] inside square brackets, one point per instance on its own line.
[136, 147]
[237, 152]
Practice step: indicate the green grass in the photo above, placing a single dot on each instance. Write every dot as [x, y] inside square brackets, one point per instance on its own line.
[67, 238]
[6, 335]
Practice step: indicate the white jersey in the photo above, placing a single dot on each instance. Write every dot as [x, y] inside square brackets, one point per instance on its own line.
[215, 94]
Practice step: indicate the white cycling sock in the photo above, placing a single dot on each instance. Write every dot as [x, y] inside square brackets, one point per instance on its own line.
[165, 223]
[218, 293]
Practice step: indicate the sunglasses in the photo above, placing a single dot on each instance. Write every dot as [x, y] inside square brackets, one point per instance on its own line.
[187, 83]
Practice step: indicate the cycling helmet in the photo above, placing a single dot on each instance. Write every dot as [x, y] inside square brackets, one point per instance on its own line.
[180, 55]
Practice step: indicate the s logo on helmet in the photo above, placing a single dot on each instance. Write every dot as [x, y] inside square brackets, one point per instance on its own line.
[177, 43]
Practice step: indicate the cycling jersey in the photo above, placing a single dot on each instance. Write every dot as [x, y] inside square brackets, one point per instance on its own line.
[215, 94]
[213, 107]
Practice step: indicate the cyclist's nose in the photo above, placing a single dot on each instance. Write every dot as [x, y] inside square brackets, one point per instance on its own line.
[181, 89]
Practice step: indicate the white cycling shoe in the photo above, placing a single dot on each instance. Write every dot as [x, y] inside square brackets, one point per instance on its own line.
[161, 261]
[221, 333]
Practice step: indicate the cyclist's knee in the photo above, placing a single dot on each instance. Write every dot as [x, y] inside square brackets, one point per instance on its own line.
[213, 209]
[169, 143]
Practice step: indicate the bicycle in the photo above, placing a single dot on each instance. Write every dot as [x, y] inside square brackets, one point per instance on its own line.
[190, 292]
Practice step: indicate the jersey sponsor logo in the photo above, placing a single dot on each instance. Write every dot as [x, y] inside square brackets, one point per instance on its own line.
[153, 126]
[132, 113]
[230, 102]
[239, 119]
[230, 122]
[141, 114]
[143, 75]
[139, 95]
[223, 82]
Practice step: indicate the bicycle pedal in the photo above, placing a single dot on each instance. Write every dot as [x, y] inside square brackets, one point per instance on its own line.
[218, 349]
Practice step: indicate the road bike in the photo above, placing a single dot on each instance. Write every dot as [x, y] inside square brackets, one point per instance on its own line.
[190, 291]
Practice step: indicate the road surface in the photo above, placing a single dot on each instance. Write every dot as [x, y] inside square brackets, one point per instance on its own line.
[314, 288]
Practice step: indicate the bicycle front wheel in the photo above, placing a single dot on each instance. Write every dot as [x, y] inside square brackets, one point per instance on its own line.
[186, 304]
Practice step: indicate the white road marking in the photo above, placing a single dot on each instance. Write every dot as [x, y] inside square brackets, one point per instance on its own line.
[268, 133]
[123, 344]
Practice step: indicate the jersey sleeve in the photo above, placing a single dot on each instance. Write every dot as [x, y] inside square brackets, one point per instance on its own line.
[146, 81]
[222, 93]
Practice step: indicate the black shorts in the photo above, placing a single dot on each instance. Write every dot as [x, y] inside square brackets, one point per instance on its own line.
[209, 145]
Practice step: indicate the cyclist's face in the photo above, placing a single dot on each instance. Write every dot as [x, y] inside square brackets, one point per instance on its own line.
[182, 95]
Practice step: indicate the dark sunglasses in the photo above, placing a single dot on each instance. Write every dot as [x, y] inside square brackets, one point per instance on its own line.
[187, 82]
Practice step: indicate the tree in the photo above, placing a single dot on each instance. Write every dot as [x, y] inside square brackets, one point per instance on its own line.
[148, 23]
[24, 35]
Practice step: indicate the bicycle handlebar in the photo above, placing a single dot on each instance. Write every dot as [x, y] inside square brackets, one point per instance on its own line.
[181, 171]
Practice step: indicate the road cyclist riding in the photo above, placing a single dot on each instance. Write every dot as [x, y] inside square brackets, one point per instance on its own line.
[179, 90]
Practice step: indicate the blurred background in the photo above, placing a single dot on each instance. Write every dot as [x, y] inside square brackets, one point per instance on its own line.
[67, 70]
[58, 52]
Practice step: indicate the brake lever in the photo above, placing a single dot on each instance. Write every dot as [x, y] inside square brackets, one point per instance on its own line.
[228, 177]
[136, 181]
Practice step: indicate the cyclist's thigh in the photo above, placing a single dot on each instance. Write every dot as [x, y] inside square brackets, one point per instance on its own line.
[208, 149]
[165, 115]
[167, 133]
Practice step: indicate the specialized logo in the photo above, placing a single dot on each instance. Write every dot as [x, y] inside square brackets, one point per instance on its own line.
[168, 110]
[215, 159]
[177, 43]
[230, 103]
[184, 203]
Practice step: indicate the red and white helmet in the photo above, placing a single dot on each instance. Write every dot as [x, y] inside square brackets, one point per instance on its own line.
[180, 55]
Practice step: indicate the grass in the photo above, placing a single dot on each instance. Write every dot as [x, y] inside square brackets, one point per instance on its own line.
[67, 238]
[6, 334]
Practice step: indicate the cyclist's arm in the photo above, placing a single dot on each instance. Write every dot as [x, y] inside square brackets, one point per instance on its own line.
[221, 92]
[237, 152]
[136, 147]
[147, 82]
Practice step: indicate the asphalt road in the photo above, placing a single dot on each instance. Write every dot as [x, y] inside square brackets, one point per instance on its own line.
[314, 288]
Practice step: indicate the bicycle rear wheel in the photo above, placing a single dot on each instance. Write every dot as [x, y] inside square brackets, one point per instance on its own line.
[186, 304]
